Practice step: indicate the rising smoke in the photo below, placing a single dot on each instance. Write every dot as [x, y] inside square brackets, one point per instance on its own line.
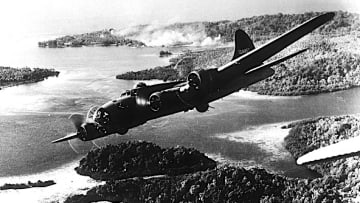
[190, 34]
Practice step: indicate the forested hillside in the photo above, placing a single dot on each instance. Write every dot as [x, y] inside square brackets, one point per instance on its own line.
[260, 28]
[267, 26]
[14, 76]
[312, 134]
[332, 62]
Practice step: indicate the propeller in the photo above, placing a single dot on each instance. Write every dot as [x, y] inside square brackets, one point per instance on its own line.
[67, 137]
[77, 120]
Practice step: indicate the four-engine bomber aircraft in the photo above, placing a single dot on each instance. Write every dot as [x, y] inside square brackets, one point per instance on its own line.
[136, 106]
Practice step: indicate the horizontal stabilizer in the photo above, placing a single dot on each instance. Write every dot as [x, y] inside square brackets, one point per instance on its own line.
[342, 149]
[68, 137]
[273, 63]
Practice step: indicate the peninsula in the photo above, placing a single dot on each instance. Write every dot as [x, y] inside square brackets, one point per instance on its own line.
[30, 184]
[16, 76]
[98, 38]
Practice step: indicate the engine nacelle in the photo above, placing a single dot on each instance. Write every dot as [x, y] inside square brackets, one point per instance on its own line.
[202, 108]
[200, 80]
[194, 80]
[140, 85]
[155, 101]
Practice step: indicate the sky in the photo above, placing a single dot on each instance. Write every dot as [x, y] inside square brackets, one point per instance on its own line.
[77, 16]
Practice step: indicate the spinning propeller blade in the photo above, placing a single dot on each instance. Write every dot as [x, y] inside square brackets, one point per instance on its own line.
[77, 120]
[67, 137]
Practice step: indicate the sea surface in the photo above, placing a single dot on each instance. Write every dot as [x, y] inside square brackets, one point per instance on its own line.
[243, 128]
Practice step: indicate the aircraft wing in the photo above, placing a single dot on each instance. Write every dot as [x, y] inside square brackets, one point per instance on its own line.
[342, 149]
[264, 52]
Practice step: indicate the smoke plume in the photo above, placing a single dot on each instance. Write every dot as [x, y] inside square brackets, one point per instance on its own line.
[190, 34]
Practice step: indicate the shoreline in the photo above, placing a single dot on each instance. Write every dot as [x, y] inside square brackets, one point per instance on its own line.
[77, 184]
[67, 181]
[14, 84]
[11, 77]
[270, 138]
[314, 133]
[251, 95]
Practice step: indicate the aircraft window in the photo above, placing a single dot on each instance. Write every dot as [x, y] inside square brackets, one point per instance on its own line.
[101, 129]
[133, 92]
[122, 104]
[102, 117]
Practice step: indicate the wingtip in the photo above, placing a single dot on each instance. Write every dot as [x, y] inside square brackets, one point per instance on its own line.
[299, 161]
[324, 18]
[330, 15]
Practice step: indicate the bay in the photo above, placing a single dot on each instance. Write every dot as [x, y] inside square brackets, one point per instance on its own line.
[242, 128]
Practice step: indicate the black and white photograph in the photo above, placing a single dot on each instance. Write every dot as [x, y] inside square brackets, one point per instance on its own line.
[157, 101]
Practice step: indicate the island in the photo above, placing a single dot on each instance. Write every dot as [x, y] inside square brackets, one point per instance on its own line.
[145, 172]
[98, 38]
[30, 184]
[139, 159]
[311, 134]
[332, 62]
[165, 53]
[124, 167]
[16, 76]
[180, 66]
[165, 73]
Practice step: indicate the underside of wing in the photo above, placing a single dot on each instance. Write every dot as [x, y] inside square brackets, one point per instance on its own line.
[342, 149]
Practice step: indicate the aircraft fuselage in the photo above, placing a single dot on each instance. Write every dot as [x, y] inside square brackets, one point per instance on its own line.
[137, 106]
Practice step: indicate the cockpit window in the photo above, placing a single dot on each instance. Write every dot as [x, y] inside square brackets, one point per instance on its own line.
[101, 129]
[127, 93]
[132, 92]
[102, 117]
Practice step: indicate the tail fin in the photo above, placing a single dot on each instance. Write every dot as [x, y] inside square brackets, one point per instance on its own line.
[243, 44]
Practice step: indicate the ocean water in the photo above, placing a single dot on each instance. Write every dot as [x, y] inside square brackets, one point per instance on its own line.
[243, 128]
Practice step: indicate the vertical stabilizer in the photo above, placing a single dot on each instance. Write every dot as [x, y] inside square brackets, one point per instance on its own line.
[243, 44]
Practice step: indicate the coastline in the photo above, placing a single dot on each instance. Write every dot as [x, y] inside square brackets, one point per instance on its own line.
[10, 77]
[13, 84]
[68, 182]
[270, 138]
[248, 94]
[310, 134]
